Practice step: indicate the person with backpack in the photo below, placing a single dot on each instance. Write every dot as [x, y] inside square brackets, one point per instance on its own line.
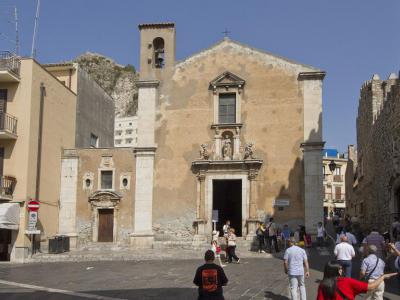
[333, 286]
[372, 267]
[272, 235]
[260, 237]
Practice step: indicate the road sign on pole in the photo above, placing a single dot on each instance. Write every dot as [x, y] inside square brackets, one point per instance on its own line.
[33, 205]
[33, 217]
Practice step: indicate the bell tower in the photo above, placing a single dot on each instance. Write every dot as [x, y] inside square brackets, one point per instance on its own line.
[157, 49]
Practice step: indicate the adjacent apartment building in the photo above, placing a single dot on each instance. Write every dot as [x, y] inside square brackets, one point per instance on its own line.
[39, 117]
[375, 198]
[334, 167]
[125, 134]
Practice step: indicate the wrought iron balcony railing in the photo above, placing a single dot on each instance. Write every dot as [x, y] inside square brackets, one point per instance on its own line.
[10, 62]
[339, 198]
[8, 124]
[7, 184]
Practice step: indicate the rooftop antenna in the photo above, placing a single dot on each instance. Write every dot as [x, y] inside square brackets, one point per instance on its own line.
[33, 53]
[16, 31]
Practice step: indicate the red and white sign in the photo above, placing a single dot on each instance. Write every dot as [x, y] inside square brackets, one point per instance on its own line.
[33, 205]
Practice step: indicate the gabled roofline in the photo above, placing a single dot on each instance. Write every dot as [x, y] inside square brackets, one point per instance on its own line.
[249, 47]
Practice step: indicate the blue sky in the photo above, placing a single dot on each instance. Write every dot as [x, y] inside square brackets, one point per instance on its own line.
[350, 40]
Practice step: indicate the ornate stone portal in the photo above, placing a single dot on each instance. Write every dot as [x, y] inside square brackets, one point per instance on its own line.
[226, 162]
[104, 200]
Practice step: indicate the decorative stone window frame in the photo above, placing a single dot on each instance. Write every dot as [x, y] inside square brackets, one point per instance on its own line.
[227, 83]
[104, 199]
[99, 179]
[86, 176]
[126, 176]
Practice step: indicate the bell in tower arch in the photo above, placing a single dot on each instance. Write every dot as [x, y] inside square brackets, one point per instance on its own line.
[159, 51]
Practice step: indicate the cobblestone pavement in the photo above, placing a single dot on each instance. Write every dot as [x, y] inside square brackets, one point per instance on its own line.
[254, 278]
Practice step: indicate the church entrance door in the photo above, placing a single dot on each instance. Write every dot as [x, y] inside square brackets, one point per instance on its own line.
[227, 199]
[106, 225]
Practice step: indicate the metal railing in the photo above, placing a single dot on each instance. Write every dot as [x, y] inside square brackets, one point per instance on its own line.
[7, 184]
[8, 123]
[10, 62]
[340, 198]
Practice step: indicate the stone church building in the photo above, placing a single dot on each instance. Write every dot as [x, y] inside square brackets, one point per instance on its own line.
[231, 132]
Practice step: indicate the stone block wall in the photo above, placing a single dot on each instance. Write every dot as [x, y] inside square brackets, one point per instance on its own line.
[374, 196]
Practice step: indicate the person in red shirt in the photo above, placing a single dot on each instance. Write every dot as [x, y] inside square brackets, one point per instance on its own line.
[335, 287]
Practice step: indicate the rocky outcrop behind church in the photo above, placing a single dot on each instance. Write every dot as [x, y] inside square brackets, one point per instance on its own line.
[117, 80]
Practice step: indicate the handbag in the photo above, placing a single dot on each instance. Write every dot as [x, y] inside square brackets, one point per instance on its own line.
[218, 249]
[341, 294]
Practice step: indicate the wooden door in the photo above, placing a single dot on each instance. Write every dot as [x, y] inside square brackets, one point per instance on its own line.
[106, 225]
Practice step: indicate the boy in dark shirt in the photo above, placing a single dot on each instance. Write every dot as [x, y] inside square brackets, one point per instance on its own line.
[210, 278]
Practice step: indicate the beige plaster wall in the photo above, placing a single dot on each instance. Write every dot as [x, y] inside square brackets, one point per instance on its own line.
[69, 75]
[90, 162]
[272, 114]
[58, 133]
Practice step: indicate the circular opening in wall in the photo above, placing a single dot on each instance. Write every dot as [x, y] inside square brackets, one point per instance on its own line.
[88, 182]
[125, 182]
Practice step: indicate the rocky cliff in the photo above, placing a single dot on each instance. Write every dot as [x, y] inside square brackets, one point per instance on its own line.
[117, 80]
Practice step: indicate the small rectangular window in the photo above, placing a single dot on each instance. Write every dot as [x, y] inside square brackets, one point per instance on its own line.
[227, 108]
[94, 140]
[106, 180]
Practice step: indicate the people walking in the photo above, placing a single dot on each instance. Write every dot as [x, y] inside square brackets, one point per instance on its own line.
[395, 228]
[375, 238]
[285, 235]
[372, 267]
[225, 230]
[272, 239]
[210, 278]
[215, 247]
[232, 246]
[296, 266]
[333, 286]
[320, 234]
[260, 237]
[344, 253]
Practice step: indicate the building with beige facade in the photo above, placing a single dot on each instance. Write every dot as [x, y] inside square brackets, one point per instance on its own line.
[37, 121]
[334, 167]
[39, 117]
[231, 132]
[375, 197]
[125, 133]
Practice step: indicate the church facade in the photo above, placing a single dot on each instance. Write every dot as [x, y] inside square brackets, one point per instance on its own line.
[230, 133]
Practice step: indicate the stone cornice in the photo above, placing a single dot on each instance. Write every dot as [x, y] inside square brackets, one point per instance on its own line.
[312, 145]
[311, 75]
[147, 83]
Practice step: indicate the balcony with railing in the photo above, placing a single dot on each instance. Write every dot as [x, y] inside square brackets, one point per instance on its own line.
[8, 126]
[10, 65]
[7, 186]
[335, 198]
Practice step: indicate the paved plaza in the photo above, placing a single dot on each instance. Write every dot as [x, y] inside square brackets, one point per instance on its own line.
[254, 278]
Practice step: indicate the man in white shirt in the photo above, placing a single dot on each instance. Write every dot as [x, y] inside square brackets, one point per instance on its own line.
[296, 266]
[344, 254]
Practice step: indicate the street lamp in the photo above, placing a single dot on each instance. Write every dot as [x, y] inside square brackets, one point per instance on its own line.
[332, 166]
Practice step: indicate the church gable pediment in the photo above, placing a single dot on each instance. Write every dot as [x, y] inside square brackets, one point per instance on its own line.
[227, 79]
[261, 56]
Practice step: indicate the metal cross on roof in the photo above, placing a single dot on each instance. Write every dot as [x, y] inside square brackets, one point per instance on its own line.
[226, 32]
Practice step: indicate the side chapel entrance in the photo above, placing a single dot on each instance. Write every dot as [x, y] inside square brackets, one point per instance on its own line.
[106, 225]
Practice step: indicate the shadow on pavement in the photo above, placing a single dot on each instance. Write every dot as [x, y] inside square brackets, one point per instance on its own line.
[142, 294]
[273, 296]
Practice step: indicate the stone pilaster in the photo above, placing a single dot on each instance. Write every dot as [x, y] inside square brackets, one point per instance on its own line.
[142, 236]
[68, 194]
[252, 220]
[313, 200]
[236, 144]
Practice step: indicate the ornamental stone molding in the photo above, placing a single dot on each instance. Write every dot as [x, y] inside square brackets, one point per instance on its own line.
[106, 199]
[227, 80]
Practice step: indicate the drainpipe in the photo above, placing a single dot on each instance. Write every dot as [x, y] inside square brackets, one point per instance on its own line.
[39, 152]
